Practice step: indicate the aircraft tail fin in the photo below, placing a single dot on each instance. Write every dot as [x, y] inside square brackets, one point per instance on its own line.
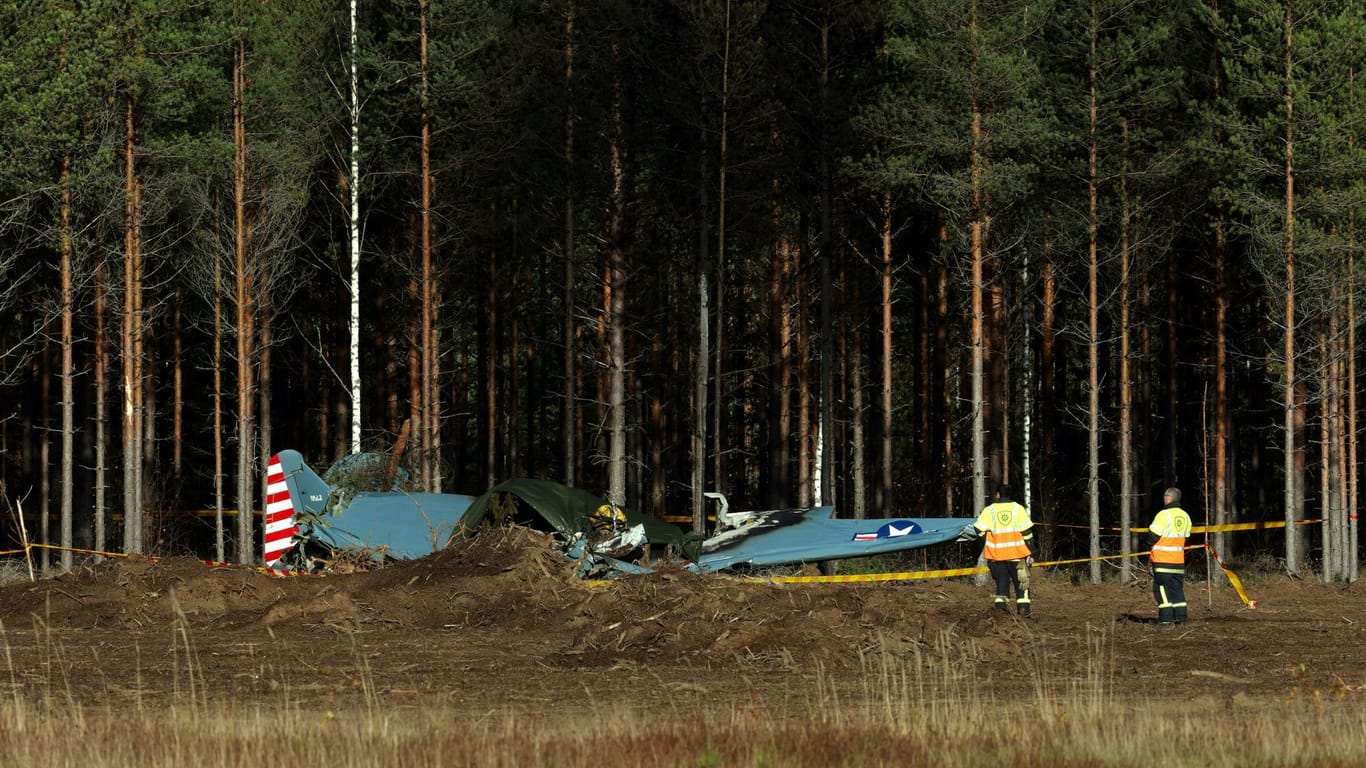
[291, 488]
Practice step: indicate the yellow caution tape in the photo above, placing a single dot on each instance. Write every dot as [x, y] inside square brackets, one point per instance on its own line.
[1221, 528]
[56, 548]
[852, 578]
[952, 572]
[1232, 578]
[211, 563]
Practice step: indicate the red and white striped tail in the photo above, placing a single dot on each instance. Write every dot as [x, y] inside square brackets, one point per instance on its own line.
[280, 525]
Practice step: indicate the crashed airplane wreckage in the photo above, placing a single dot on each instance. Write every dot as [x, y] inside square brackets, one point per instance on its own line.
[306, 515]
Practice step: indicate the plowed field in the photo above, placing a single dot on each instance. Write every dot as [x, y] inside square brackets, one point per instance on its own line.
[501, 624]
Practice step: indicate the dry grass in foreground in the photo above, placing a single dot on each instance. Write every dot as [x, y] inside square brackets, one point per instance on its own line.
[910, 711]
[1069, 733]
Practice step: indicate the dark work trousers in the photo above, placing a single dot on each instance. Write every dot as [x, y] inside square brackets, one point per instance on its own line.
[1006, 574]
[1169, 589]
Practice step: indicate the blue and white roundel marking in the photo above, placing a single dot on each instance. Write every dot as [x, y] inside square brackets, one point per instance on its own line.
[891, 530]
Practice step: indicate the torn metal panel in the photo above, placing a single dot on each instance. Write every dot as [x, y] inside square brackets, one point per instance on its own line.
[604, 539]
[393, 523]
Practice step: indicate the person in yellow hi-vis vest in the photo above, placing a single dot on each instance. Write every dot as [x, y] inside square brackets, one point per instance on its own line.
[1168, 533]
[1008, 531]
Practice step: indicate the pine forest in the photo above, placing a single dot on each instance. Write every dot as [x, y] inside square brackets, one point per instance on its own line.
[876, 254]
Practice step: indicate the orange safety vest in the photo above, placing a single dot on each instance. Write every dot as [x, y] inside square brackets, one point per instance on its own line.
[1005, 523]
[1171, 526]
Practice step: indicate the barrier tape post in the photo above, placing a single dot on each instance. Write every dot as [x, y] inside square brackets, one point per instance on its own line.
[23, 539]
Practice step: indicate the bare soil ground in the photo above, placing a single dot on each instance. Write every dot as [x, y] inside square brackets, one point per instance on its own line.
[501, 624]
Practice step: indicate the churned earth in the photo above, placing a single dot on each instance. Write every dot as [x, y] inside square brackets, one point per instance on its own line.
[500, 624]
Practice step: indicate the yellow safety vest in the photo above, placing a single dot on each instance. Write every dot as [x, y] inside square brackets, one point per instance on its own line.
[1005, 524]
[1171, 526]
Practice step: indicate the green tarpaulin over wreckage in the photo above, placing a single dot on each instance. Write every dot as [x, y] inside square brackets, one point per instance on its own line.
[568, 510]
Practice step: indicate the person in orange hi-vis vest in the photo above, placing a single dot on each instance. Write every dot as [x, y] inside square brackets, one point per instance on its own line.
[1009, 531]
[1168, 534]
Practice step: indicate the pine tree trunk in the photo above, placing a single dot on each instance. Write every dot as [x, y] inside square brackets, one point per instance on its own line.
[101, 403]
[661, 435]
[1353, 468]
[925, 453]
[882, 492]
[246, 331]
[979, 493]
[615, 308]
[68, 467]
[1223, 425]
[145, 343]
[997, 405]
[263, 388]
[1170, 386]
[1222, 432]
[416, 394]
[978, 341]
[1026, 390]
[802, 365]
[722, 235]
[131, 348]
[1093, 320]
[44, 371]
[1126, 392]
[570, 409]
[781, 342]
[720, 395]
[1328, 565]
[1336, 455]
[1294, 418]
[697, 446]
[825, 404]
[488, 359]
[430, 425]
[950, 394]
[1048, 396]
[514, 409]
[697, 435]
[852, 343]
[177, 385]
[218, 474]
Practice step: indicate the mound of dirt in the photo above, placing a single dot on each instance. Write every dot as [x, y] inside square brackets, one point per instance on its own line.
[509, 576]
[503, 618]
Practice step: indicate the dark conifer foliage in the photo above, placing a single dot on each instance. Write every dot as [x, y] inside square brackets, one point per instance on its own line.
[1090, 249]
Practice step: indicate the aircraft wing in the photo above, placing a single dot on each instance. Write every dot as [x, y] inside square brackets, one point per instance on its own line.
[793, 536]
[405, 525]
